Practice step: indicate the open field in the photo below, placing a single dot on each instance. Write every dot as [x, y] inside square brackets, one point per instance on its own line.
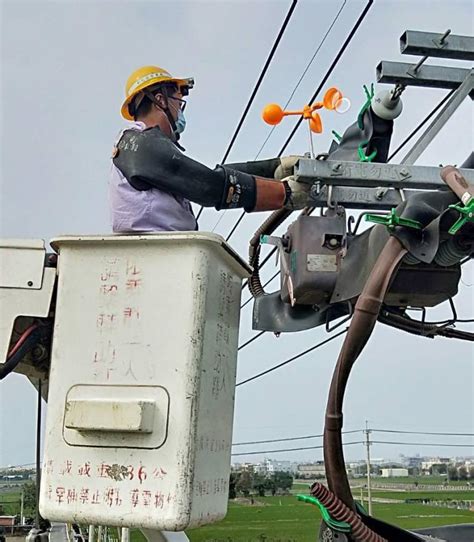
[284, 519]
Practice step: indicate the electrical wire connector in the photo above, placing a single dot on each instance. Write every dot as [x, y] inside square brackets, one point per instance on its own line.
[339, 526]
[361, 152]
[393, 220]
[467, 215]
[369, 94]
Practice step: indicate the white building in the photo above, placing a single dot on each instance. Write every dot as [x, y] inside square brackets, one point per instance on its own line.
[390, 473]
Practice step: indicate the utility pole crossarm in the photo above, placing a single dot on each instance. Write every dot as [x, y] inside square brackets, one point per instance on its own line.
[413, 42]
[372, 175]
[403, 73]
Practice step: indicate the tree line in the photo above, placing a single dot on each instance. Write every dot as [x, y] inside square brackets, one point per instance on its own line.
[247, 483]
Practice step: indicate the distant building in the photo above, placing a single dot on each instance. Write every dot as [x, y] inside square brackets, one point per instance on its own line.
[432, 465]
[390, 473]
[312, 470]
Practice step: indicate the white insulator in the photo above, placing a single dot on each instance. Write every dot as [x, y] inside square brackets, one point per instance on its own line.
[385, 107]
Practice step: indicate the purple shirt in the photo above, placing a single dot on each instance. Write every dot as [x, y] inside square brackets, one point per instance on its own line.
[146, 210]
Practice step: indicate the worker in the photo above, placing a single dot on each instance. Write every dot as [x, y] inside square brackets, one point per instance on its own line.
[152, 181]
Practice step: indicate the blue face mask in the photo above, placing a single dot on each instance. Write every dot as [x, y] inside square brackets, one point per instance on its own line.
[180, 122]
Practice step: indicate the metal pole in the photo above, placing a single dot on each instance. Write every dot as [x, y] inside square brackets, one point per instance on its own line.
[22, 502]
[369, 489]
[125, 534]
[91, 537]
[443, 116]
[38, 454]
[99, 534]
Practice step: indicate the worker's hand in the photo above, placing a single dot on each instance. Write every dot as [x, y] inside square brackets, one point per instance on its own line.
[297, 194]
[286, 167]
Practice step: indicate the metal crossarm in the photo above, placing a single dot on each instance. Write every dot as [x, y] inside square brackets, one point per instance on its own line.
[372, 175]
[465, 89]
[405, 74]
[413, 42]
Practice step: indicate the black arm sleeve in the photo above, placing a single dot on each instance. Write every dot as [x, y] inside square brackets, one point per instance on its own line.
[149, 159]
[260, 168]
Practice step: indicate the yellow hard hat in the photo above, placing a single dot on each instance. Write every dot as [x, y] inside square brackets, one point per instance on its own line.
[148, 76]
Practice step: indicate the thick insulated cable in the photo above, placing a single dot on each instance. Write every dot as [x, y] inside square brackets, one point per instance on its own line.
[365, 316]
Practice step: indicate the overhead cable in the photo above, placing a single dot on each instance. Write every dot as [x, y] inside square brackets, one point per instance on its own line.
[294, 358]
[295, 88]
[330, 70]
[420, 126]
[251, 340]
[420, 443]
[291, 438]
[422, 433]
[266, 284]
[304, 73]
[293, 449]
[257, 85]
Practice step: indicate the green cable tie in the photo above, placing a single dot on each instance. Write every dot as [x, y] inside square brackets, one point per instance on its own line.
[340, 526]
[361, 508]
[467, 215]
[393, 220]
[369, 95]
[361, 152]
[336, 135]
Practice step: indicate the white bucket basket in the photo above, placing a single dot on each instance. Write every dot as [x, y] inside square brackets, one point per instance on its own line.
[142, 381]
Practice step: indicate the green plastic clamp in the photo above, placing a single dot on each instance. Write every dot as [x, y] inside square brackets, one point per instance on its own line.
[467, 215]
[336, 135]
[340, 526]
[361, 152]
[361, 508]
[392, 220]
[369, 94]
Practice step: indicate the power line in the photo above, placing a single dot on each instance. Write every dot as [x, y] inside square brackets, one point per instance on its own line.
[257, 85]
[419, 443]
[321, 43]
[294, 358]
[304, 72]
[420, 126]
[292, 449]
[291, 438]
[266, 284]
[423, 433]
[318, 90]
[330, 70]
[251, 340]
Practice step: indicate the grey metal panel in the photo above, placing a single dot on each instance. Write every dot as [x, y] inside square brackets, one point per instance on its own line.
[413, 42]
[426, 76]
[372, 175]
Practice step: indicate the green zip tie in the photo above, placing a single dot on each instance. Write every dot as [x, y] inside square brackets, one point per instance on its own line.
[361, 152]
[340, 526]
[393, 220]
[336, 135]
[361, 508]
[467, 215]
[368, 95]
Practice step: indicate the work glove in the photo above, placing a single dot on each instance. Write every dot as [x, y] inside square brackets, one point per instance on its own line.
[297, 194]
[286, 167]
